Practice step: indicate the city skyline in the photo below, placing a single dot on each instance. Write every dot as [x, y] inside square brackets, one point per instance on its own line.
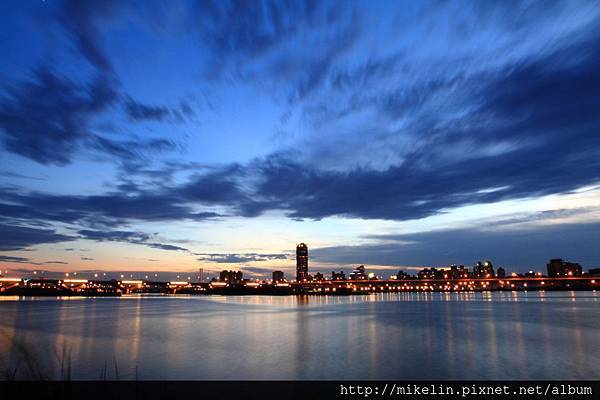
[168, 139]
[556, 267]
[561, 275]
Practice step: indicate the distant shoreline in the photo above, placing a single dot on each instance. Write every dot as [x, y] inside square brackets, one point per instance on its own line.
[83, 288]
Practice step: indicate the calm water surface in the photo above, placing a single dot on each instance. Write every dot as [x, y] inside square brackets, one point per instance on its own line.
[531, 335]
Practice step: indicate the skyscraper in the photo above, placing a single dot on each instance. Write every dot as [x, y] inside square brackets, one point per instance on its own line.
[301, 262]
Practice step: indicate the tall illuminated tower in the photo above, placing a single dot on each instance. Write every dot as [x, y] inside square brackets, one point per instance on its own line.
[301, 262]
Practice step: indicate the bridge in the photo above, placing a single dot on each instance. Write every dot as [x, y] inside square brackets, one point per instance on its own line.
[24, 286]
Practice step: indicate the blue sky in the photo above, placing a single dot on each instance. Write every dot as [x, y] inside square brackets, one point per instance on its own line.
[171, 136]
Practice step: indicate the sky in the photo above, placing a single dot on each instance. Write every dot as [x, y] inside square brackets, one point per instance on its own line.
[142, 137]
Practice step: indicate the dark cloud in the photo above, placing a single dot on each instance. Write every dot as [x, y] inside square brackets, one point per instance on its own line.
[521, 248]
[523, 129]
[226, 258]
[12, 174]
[80, 20]
[532, 132]
[49, 117]
[15, 259]
[139, 111]
[186, 110]
[540, 216]
[131, 151]
[398, 82]
[25, 260]
[109, 209]
[115, 236]
[87, 259]
[19, 237]
[264, 32]
[128, 237]
[166, 247]
[46, 118]
[254, 28]
[220, 185]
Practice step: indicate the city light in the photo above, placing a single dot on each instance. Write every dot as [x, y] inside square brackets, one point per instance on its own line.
[10, 279]
[75, 281]
[561, 274]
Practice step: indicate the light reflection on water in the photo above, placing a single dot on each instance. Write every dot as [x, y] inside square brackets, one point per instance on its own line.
[526, 335]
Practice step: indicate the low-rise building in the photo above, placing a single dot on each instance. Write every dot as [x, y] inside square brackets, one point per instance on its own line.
[559, 268]
[278, 276]
[231, 276]
[338, 276]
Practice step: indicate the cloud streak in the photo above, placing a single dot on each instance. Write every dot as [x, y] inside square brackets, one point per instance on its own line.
[20, 237]
[468, 245]
[226, 258]
[127, 237]
[46, 118]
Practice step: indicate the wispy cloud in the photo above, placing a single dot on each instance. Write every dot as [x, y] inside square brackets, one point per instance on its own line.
[127, 237]
[19, 237]
[226, 258]
[534, 247]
